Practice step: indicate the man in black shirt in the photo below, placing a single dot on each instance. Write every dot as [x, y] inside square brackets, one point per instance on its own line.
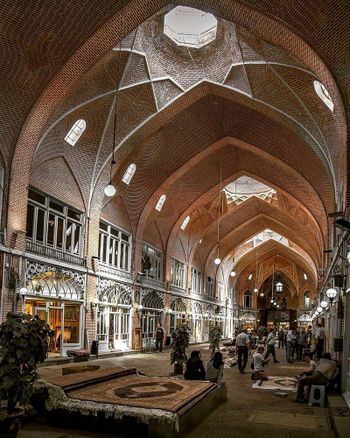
[159, 338]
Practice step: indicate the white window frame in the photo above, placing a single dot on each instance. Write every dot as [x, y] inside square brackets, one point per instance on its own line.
[248, 299]
[58, 215]
[75, 132]
[118, 244]
[177, 273]
[210, 286]
[129, 173]
[160, 203]
[156, 259]
[196, 277]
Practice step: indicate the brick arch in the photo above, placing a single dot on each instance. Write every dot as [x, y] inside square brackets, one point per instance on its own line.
[99, 44]
[267, 251]
[249, 229]
[205, 157]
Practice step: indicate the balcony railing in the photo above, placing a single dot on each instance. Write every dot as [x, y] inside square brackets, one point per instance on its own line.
[45, 251]
[106, 269]
[151, 282]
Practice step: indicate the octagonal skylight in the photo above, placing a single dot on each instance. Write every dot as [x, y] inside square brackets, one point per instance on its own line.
[190, 27]
[245, 187]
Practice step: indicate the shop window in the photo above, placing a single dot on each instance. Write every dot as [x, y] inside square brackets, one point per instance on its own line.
[152, 261]
[129, 173]
[177, 273]
[75, 132]
[196, 281]
[54, 224]
[248, 299]
[114, 247]
[102, 334]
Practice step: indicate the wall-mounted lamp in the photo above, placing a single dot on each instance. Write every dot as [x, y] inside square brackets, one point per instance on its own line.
[169, 311]
[331, 294]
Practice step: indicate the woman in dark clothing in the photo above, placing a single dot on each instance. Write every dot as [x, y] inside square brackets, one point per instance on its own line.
[194, 367]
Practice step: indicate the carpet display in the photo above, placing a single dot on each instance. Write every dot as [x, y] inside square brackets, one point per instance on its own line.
[277, 383]
[146, 392]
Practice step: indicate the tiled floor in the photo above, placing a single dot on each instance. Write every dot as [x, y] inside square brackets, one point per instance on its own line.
[248, 413]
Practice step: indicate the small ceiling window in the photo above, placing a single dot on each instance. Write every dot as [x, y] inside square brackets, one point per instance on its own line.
[160, 202]
[324, 95]
[279, 287]
[190, 27]
[250, 276]
[185, 222]
[75, 132]
[129, 173]
[305, 276]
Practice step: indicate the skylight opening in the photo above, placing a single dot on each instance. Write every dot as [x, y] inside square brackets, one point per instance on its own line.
[324, 95]
[129, 173]
[160, 202]
[185, 222]
[245, 187]
[305, 276]
[75, 132]
[190, 27]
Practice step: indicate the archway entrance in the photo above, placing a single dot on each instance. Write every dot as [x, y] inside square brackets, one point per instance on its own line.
[277, 302]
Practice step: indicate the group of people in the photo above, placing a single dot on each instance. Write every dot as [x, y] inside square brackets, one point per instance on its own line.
[195, 368]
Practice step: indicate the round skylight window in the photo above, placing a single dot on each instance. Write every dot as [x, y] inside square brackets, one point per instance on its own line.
[190, 27]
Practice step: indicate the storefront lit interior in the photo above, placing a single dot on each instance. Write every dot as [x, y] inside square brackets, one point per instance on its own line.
[153, 173]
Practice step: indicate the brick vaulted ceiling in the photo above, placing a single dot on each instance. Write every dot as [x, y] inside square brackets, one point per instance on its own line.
[244, 104]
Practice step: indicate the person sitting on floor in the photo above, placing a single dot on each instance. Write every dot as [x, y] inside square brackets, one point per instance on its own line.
[194, 367]
[312, 366]
[258, 363]
[215, 368]
[324, 373]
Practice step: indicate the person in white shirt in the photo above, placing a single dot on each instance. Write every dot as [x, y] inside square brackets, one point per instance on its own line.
[271, 341]
[320, 335]
[258, 363]
[243, 344]
[289, 345]
[312, 366]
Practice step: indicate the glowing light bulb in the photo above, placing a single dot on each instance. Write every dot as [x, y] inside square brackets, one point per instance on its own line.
[110, 190]
[217, 261]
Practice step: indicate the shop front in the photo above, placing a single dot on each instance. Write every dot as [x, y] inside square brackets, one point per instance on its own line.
[248, 321]
[114, 315]
[177, 313]
[56, 296]
[197, 322]
[152, 314]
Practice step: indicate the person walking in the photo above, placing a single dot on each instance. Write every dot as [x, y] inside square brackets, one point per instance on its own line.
[320, 336]
[271, 341]
[159, 338]
[243, 344]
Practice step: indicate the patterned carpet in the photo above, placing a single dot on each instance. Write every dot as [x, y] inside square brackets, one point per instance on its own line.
[145, 392]
[277, 383]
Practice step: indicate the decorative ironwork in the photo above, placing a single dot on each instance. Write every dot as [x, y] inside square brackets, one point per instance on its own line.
[123, 275]
[178, 305]
[152, 299]
[110, 291]
[197, 309]
[52, 281]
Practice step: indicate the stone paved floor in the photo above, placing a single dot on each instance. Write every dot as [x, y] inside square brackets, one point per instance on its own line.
[248, 413]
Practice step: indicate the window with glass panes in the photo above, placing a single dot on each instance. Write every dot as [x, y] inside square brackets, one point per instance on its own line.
[152, 261]
[114, 247]
[195, 280]
[210, 286]
[54, 224]
[177, 273]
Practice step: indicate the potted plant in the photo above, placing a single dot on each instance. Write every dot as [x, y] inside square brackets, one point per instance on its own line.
[215, 336]
[23, 343]
[179, 343]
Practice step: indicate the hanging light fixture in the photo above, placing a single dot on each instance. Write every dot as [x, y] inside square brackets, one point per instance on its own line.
[319, 309]
[324, 304]
[233, 274]
[110, 189]
[217, 260]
